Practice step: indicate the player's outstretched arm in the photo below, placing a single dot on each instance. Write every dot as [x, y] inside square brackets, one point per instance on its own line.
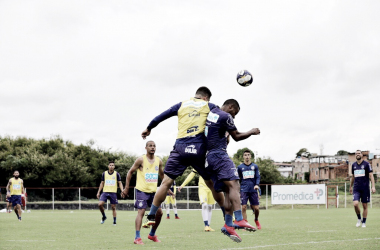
[238, 136]
[138, 163]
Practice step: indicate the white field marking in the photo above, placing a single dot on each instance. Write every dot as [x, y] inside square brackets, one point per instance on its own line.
[302, 243]
[29, 240]
[322, 231]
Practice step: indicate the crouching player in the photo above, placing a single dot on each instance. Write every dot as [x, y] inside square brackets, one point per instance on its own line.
[148, 168]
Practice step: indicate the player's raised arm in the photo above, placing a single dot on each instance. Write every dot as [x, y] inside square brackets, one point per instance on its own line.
[172, 111]
[138, 163]
[238, 136]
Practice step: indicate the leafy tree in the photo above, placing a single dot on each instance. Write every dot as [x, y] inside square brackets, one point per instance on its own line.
[268, 171]
[303, 152]
[342, 152]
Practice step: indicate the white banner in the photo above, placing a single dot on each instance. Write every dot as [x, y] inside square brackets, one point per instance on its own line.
[299, 194]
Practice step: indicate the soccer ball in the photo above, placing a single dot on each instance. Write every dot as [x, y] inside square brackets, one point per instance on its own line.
[244, 78]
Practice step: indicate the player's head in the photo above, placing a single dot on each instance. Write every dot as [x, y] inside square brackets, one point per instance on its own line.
[16, 174]
[231, 106]
[111, 166]
[247, 155]
[203, 93]
[150, 147]
[358, 154]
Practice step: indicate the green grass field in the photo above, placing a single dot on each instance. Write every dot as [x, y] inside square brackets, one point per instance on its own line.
[282, 229]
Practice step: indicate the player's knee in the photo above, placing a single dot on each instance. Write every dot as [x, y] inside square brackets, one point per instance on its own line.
[244, 207]
[356, 204]
[113, 207]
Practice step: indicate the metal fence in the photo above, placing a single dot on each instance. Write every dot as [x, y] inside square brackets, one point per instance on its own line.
[85, 198]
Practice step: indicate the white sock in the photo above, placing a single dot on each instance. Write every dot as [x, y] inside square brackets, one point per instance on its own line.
[175, 208]
[167, 209]
[209, 212]
[204, 212]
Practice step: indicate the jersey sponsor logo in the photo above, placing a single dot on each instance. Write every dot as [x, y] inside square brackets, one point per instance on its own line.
[359, 173]
[194, 113]
[318, 192]
[191, 149]
[248, 174]
[212, 117]
[151, 177]
[192, 129]
[110, 182]
[16, 186]
[193, 103]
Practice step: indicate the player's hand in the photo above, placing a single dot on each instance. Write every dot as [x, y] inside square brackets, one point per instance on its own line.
[256, 187]
[145, 133]
[255, 131]
[8, 195]
[124, 193]
[179, 189]
[373, 190]
[350, 190]
[170, 193]
[98, 195]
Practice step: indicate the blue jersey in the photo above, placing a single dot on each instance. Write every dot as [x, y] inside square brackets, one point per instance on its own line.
[249, 177]
[361, 174]
[217, 124]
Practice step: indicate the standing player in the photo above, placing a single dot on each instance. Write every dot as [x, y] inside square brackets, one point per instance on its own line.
[189, 148]
[361, 174]
[249, 186]
[170, 199]
[148, 168]
[219, 164]
[14, 190]
[205, 198]
[110, 180]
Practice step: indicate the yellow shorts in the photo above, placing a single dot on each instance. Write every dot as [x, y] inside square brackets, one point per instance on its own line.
[169, 200]
[205, 196]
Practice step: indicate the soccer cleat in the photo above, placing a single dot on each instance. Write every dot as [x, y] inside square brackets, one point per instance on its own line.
[363, 225]
[167, 217]
[358, 223]
[146, 224]
[243, 224]
[103, 220]
[150, 220]
[138, 241]
[177, 218]
[258, 224]
[210, 229]
[114, 223]
[207, 229]
[153, 238]
[231, 233]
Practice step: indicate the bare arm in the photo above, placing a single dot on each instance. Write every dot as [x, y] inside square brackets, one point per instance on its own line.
[352, 183]
[161, 171]
[8, 191]
[121, 186]
[373, 182]
[138, 163]
[238, 136]
[100, 188]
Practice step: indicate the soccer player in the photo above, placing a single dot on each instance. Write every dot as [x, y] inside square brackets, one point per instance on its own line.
[359, 186]
[110, 180]
[221, 167]
[205, 198]
[14, 190]
[249, 186]
[189, 148]
[148, 168]
[24, 197]
[170, 199]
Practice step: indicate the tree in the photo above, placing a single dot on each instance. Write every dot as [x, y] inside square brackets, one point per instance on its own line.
[303, 152]
[268, 171]
[238, 157]
[342, 152]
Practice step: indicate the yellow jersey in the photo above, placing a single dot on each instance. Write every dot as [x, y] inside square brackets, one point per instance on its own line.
[147, 178]
[110, 182]
[16, 186]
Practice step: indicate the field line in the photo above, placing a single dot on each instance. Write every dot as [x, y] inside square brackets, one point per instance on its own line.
[302, 243]
[322, 231]
[29, 240]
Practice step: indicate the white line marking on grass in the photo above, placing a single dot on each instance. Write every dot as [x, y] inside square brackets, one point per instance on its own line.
[303, 243]
[322, 231]
[30, 240]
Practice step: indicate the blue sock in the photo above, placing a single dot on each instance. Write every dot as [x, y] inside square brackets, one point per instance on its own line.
[104, 215]
[359, 217]
[153, 210]
[20, 218]
[206, 222]
[224, 212]
[228, 220]
[364, 220]
[137, 234]
[176, 215]
[238, 215]
[152, 232]
[114, 220]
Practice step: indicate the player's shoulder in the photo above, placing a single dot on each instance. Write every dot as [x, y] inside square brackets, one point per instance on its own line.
[241, 165]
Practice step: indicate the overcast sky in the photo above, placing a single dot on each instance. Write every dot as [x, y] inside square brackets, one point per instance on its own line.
[102, 70]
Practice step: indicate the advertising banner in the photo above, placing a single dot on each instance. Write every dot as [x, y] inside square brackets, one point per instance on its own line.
[299, 194]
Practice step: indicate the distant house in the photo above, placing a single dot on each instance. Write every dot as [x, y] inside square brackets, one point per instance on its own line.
[300, 167]
[285, 169]
[324, 168]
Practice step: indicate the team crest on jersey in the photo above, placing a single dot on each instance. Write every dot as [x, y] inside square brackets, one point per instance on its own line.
[362, 167]
[140, 204]
[252, 168]
[113, 177]
[156, 168]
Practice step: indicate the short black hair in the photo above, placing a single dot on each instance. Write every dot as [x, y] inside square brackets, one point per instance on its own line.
[247, 151]
[109, 162]
[232, 102]
[204, 91]
[359, 150]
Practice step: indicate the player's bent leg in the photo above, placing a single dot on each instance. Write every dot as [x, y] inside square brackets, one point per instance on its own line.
[101, 208]
[152, 235]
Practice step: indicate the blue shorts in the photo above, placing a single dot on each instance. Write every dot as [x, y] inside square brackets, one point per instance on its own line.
[184, 155]
[110, 196]
[220, 167]
[362, 195]
[143, 200]
[15, 199]
[253, 198]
